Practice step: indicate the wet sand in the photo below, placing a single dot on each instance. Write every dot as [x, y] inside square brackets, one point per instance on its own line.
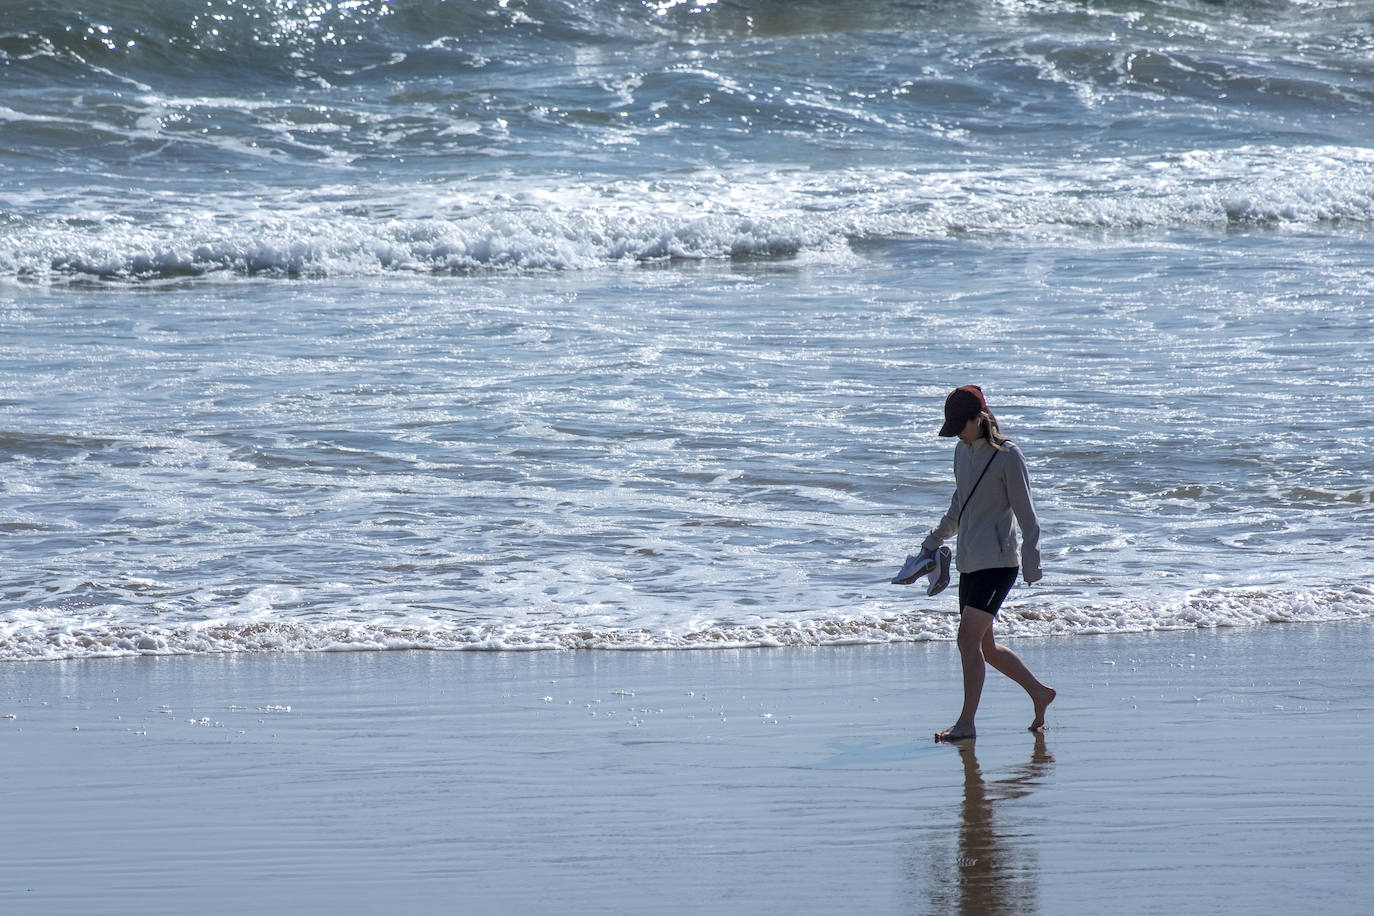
[1183, 772]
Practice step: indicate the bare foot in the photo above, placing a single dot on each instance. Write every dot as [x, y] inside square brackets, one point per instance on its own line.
[1042, 702]
[956, 732]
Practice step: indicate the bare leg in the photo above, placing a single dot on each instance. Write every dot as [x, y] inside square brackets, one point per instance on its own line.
[1010, 664]
[974, 625]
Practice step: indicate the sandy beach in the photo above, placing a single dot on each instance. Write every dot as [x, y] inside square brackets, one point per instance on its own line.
[1184, 772]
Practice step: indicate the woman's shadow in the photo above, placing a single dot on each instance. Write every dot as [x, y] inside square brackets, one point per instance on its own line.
[994, 867]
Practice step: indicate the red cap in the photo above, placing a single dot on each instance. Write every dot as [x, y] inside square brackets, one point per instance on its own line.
[962, 405]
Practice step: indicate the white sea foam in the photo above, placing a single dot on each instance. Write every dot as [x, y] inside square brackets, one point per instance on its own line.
[710, 215]
[64, 636]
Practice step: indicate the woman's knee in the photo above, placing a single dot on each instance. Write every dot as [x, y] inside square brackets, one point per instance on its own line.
[992, 652]
[973, 630]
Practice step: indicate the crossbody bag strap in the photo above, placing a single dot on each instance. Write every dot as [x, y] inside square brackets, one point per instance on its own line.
[975, 487]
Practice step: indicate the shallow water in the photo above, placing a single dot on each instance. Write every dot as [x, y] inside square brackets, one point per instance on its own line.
[713, 455]
[567, 324]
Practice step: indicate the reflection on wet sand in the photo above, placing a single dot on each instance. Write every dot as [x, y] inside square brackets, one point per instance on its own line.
[994, 868]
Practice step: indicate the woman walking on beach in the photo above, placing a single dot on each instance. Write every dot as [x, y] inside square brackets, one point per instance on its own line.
[990, 487]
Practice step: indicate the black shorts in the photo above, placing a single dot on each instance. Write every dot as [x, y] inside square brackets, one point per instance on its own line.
[986, 589]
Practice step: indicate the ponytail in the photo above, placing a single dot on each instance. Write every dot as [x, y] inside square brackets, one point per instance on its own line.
[988, 423]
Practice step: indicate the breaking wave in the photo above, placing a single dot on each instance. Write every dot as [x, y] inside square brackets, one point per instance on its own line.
[33, 640]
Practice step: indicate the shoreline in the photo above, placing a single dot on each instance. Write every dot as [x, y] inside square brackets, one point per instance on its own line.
[736, 780]
[1022, 618]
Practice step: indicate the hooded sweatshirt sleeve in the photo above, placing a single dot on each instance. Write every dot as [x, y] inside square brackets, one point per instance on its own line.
[1018, 493]
[947, 527]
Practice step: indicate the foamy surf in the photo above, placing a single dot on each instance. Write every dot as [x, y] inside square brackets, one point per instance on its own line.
[55, 635]
[625, 324]
[345, 233]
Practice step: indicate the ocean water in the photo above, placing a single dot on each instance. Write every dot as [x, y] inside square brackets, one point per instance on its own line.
[563, 324]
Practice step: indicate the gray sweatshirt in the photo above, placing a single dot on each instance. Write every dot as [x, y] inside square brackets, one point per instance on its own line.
[986, 538]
